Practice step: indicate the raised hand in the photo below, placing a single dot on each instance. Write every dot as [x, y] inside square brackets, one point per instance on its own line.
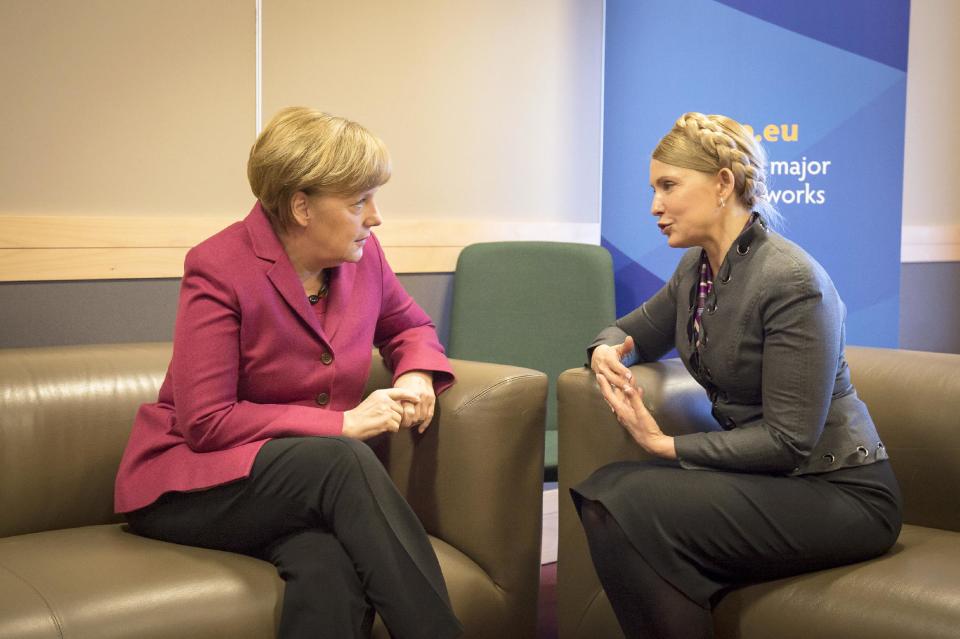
[608, 361]
[627, 404]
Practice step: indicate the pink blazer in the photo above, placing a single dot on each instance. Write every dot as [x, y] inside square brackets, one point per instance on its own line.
[251, 360]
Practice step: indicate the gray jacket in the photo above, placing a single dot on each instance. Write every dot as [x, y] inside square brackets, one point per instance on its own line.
[771, 360]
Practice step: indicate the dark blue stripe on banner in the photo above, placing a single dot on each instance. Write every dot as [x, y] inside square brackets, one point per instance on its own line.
[871, 28]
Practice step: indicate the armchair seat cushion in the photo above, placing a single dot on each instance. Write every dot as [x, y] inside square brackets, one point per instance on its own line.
[912, 591]
[102, 582]
[909, 592]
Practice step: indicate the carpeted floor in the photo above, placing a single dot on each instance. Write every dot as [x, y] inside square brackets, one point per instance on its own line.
[547, 609]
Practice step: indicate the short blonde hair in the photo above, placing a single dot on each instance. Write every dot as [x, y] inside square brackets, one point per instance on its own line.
[709, 143]
[302, 149]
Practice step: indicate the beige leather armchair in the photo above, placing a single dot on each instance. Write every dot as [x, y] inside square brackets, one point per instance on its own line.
[911, 592]
[68, 569]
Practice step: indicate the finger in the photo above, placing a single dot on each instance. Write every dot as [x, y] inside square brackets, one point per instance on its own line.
[392, 423]
[608, 393]
[421, 410]
[428, 417]
[395, 409]
[615, 372]
[409, 415]
[417, 417]
[625, 349]
[402, 395]
[634, 397]
[621, 372]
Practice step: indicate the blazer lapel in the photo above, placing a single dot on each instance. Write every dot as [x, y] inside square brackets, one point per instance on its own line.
[280, 273]
[341, 290]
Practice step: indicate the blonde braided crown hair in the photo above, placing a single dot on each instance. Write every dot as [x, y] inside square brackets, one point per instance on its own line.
[709, 143]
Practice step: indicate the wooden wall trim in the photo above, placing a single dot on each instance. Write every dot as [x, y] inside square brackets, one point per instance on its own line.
[930, 244]
[38, 248]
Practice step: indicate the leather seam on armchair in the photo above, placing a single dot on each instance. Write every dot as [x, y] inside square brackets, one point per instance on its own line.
[489, 389]
[53, 616]
[589, 605]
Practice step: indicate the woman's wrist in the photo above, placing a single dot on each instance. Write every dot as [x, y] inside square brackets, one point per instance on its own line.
[426, 376]
[663, 446]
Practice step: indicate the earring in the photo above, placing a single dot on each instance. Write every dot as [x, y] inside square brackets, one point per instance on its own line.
[722, 203]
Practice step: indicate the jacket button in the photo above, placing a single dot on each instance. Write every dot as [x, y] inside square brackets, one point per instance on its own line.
[326, 358]
[829, 458]
[323, 399]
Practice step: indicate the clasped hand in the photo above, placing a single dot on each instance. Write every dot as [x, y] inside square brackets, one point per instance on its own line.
[625, 399]
[409, 404]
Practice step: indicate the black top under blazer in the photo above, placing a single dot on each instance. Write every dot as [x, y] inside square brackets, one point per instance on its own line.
[771, 360]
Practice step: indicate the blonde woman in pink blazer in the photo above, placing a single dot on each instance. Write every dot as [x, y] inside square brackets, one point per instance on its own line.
[255, 444]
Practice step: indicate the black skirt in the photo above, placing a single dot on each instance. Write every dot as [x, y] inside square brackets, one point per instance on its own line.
[708, 531]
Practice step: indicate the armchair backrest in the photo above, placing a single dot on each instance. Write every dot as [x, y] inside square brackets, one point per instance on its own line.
[65, 416]
[914, 399]
[531, 304]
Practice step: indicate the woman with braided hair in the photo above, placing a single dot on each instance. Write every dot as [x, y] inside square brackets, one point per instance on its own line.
[795, 477]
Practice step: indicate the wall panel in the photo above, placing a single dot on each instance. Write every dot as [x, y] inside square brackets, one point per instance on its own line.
[126, 108]
[133, 122]
[491, 109]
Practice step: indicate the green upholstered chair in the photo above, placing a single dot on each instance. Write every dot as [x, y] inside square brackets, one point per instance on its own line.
[531, 304]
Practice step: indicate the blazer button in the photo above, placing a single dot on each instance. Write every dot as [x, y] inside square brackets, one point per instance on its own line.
[326, 358]
[323, 399]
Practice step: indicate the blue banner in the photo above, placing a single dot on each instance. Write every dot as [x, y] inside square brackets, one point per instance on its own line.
[822, 83]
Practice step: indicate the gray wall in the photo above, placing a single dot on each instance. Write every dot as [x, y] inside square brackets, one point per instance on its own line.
[930, 307]
[55, 313]
[106, 311]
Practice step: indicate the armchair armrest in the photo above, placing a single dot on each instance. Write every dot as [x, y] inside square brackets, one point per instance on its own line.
[591, 437]
[475, 476]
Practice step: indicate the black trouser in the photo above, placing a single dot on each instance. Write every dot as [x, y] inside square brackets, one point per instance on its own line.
[324, 511]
